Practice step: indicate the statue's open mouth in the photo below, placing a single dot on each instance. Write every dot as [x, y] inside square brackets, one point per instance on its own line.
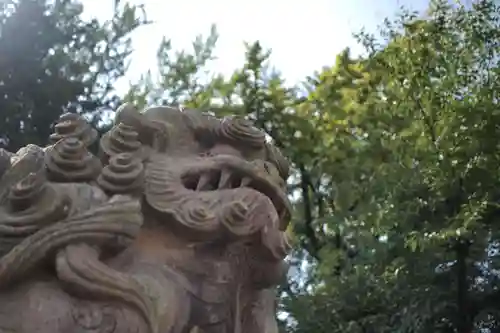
[226, 173]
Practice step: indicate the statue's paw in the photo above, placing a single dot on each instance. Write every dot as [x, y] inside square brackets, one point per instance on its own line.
[105, 318]
[42, 307]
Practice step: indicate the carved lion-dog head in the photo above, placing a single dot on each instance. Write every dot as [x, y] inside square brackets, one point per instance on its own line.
[209, 182]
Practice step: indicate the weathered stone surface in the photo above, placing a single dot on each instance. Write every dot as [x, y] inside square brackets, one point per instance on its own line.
[178, 226]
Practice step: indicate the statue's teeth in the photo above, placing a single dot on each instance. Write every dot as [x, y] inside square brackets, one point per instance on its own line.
[245, 181]
[203, 182]
[225, 179]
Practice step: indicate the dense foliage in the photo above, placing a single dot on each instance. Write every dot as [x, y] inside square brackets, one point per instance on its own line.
[52, 61]
[395, 153]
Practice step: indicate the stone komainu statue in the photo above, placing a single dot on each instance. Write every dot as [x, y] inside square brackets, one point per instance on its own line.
[178, 225]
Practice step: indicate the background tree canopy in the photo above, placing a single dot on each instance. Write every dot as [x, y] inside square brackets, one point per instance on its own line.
[395, 153]
[52, 61]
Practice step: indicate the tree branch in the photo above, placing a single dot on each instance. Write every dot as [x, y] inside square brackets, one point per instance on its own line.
[309, 232]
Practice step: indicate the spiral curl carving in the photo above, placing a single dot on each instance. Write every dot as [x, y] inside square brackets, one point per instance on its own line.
[73, 125]
[241, 131]
[123, 175]
[32, 204]
[69, 161]
[234, 219]
[197, 217]
[27, 191]
[122, 138]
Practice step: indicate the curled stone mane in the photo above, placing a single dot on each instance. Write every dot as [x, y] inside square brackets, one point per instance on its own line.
[69, 161]
[240, 131]
[180, 220]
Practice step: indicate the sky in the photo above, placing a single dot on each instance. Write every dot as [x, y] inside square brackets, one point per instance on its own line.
[303, 35]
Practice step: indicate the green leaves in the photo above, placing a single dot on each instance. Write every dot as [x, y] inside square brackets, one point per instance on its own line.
[408, 138]
[181, 77]
[58, 62]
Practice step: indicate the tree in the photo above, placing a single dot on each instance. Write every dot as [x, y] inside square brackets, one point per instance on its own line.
[418, 173]
[182, 77]
[52, 61]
